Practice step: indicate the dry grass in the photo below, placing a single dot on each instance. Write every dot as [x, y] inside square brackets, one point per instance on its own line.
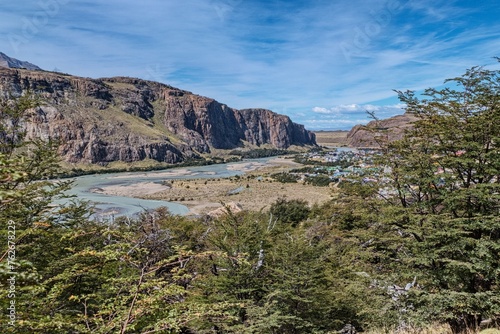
[121, 85]
[436, 329]
[331, 138]
[490, 331]
[113, 115]
[204, 195]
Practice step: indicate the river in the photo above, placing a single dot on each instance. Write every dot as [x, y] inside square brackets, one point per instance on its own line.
[109, 206]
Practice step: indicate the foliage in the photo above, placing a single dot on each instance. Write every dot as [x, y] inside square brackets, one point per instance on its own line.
[25, 167]
[341, 163]
[290, 211]
[260, 153]
[320, 180]
[124, 167]
[28, 215]
[285, 177]
[439, 218]
[283, 279]
[310, 170]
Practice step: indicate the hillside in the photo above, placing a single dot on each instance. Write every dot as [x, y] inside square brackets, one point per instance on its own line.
[392, 128]
[6, 61]
[331, 138]
[104, 120]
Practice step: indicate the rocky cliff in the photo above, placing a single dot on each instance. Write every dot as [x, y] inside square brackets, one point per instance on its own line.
[391, 129]
[127, 119]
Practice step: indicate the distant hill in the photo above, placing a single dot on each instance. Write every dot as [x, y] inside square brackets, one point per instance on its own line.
[99, 121]
[6, 61]
[331, 138]
[393, 128]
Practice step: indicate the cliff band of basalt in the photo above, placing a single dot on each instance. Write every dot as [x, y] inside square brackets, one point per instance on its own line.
[127, 119]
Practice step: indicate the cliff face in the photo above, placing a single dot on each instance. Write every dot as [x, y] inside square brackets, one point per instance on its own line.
[261, 126]
[126, 119]
[393, 128]
[205, 123]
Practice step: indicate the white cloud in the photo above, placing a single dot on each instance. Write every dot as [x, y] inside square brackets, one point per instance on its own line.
[321, 110]
[357, 108]
[344, 117]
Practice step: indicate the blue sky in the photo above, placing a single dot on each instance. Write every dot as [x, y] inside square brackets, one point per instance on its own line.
[322, 62]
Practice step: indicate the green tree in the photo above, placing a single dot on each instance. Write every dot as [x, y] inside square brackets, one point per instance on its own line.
[28, 218]
[285, 177]
[291, 211]
[439, 213]
[320, 180]
[279, 278]
[28, 167]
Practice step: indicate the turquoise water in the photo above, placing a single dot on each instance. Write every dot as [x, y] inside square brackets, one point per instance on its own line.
[109, 206]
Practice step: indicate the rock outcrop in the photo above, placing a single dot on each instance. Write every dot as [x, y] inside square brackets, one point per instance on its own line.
[125, 119]
[224, 210]
[368, 136]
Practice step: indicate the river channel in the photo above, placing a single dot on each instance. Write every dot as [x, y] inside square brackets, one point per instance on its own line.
[88, 187]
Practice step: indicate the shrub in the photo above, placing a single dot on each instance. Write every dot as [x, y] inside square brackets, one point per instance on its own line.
[290, 211]
[285, 177]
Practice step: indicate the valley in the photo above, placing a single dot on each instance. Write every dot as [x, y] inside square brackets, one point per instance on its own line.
[194, 217]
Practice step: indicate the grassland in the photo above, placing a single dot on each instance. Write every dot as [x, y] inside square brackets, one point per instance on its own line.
[252, 193]
[436, 329]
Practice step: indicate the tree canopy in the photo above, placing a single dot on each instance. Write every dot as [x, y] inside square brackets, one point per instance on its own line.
[438, 206]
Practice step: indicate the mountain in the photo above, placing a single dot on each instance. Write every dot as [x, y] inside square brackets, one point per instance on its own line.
[394, 128]
[6, 61]
[125, 119]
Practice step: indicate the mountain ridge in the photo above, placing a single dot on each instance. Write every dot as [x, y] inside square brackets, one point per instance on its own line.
[9, 62]
[392, 128]
[104, 120]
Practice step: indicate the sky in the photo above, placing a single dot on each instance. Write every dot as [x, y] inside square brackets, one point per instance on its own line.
[324, 63]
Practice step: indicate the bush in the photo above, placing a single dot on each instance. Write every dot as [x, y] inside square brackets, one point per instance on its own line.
[290, 212]
[285, 177]
[319, 180]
